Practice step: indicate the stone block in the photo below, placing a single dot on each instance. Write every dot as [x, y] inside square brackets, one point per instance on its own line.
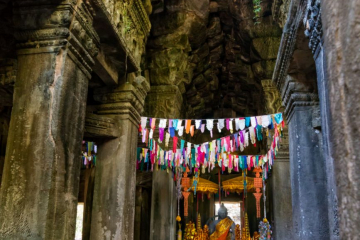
[196, 30]
[214, 28]
[166, 23]
[199, 81]
[216, 41]
[195, 100]
[263, 69]
[178, 40]
[214, 84]
[266, 28]
[214, 7]
[215, 54]
[172, 57]
[265, 48]
[239, 67]
[200, 53]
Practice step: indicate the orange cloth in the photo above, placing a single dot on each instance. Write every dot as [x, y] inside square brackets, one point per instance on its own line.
[192, 129]
[153, 121]
[222, 230]
[187, 126]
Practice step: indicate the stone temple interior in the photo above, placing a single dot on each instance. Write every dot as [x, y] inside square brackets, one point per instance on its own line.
[81, 74]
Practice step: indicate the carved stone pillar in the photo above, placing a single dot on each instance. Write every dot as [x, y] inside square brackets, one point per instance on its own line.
[281, 191]
[314, 32]
[56, 46]
[163, 206]
[341, 64]
[163, 101]
[115, 180]
[307, 172]
[281, 186]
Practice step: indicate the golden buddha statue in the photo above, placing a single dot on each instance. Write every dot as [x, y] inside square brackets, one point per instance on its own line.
[203, 234]
[199, 235]
[190, 231]
[223, 228]
[206, 232]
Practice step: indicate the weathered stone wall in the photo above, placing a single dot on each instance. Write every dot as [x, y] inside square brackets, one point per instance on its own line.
[341, 50]
[131, 23]
[280, 10]
[38, 196]
[214, 53]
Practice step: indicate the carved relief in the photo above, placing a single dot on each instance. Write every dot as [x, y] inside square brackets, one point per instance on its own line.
[272, 96]
[126, 100]
[313, 24]
[131, 22]
[164, 101]
[100, 126]
[57, 26]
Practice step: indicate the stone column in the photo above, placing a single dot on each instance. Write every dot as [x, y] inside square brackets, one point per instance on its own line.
[88, 200]
[314, 32]
[340, 23]
[281, 191]
[142, 212]
[307, 171]
[280, 177]
[56, 46]
[115, 180]
[163, 101]
[163, 206]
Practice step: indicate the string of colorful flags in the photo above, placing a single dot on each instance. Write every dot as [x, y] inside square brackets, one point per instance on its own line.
[89, 150]
[218, 151]
[175, 127]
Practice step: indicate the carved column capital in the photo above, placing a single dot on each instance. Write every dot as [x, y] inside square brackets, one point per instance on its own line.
[42, 27]
[100, 126]
[272, 96]
[295, 94]
[127, 100]
[164, 101]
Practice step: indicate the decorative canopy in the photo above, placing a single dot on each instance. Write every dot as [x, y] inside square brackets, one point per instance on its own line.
[237, 184]
[205, 186]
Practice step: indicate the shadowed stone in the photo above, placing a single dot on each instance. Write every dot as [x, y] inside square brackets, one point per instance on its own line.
[266, 48]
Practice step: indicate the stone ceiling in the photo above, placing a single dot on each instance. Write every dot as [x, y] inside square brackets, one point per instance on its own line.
[214, 53]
